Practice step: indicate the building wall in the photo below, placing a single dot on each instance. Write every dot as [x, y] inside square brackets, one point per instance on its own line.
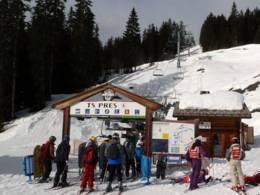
[219, 135]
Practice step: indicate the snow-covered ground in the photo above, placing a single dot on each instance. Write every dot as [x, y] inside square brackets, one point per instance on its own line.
[235, 68]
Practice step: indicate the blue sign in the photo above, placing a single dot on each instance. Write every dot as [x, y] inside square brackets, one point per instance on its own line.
[87, 111]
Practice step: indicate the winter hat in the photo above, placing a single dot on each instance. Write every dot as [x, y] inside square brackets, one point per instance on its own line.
[52, 138]
[93, 138]
[234, 140]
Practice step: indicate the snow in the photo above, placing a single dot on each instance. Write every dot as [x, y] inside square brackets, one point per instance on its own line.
[217, 71]
[220, 100]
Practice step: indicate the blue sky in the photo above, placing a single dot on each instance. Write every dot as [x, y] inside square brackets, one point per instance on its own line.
[111, 15]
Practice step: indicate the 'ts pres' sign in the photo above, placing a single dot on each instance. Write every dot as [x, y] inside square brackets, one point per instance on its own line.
[108, 108]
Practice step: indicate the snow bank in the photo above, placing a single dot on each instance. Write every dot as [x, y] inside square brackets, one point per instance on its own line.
[221, 100]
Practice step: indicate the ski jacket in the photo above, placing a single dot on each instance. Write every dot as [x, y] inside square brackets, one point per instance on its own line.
[138, 153]
[47, 151]
[194, 153]
[101, 152]
[81, 153]
[63, 151]
[91, 155]
[235, 152]
[129, 150]
[120, 155]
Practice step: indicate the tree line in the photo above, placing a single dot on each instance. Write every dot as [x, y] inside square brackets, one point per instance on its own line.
[239, 28]
[44, 50]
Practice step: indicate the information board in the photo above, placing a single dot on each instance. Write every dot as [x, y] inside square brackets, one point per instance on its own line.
[178, 134]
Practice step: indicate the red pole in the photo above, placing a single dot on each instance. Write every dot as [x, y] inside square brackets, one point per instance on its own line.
[66, 122]
[148, 133]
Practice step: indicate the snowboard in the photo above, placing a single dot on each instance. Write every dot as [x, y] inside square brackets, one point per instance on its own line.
[38, 168]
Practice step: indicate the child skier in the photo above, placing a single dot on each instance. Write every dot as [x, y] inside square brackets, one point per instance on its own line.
[234, 156]
[161, 166]
[253, 180]
[89, 162]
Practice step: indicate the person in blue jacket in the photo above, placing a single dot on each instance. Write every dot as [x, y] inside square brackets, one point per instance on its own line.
[115, 159]
[139, 150]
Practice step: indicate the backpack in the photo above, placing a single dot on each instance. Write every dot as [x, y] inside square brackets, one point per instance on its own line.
[91, 155]
[187, 156]
[113, 152]
[44, 153]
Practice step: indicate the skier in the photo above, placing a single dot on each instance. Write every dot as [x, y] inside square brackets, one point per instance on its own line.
[89, 163]
[115, 155]
[81, 153]
[253, 180]
[234, 155]
[202, 178]
[102, 158]
[139, 150]
[195, 154]
[161, 166]
[47, 156]
[129, 150]
[62, 157]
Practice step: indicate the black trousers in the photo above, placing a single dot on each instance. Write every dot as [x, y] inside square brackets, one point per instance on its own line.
[62, 168]
[160, 172]
[138, 166]
[115, 170]
[48, 168]
[130, 163]
[103, 168]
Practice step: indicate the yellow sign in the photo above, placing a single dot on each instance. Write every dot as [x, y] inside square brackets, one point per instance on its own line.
[165, 135]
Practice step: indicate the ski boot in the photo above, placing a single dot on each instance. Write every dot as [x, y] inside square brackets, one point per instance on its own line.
[121, 186]
[234, 188]
[242, 188]
[90, 190]
[109, 187]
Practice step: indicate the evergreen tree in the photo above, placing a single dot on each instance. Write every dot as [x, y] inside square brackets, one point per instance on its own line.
[12, 14]
[233, 26]
[83, 43]
[257, 35]
[47, 33]
[132, 42]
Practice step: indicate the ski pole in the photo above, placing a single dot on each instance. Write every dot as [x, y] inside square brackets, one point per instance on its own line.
[104, 173]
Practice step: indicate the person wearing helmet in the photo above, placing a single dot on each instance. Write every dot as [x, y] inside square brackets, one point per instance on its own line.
[234, 155]
[47, 156]
[89, 163]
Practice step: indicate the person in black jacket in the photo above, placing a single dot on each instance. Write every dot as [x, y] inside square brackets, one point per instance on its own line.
[62, 157]
[129, 149]
[102, 158]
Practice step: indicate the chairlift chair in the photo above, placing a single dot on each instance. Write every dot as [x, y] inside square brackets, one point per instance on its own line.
[158, 72]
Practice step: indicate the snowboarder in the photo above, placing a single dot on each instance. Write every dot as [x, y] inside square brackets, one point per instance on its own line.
[195, 154]
[115, 155]
[186, 178]
[62, 157]
[89, 163]
[234, 156]
[161, 166]
[47, 156]
[129, 150]
[102, 158]
[139, 150]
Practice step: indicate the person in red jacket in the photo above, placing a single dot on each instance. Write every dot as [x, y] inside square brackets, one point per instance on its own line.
[47, 156]
[253, 180]
[89, 163]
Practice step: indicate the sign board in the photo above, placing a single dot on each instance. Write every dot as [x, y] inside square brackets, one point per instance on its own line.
[178, 135]
[108, 108]
[174, 160]
[204, 125]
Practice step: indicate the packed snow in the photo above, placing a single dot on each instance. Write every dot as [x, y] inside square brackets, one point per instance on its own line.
[217, 71]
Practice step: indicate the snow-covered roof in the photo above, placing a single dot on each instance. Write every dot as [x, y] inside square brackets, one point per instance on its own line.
[220, 100]
[219, 104]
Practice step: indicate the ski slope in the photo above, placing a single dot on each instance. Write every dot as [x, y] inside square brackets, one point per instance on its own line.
[236, 68]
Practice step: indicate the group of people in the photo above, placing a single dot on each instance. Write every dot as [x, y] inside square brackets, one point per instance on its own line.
[114, 159]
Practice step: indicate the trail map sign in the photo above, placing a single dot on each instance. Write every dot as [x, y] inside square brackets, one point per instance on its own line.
[172, 137]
